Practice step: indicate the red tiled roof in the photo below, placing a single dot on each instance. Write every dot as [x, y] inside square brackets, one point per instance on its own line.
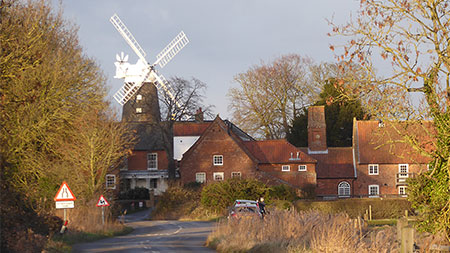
[337, 163]
[190, 128]
[277, 151]
[386, 146]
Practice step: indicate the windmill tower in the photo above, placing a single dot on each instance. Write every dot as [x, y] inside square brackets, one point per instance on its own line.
[139, 94]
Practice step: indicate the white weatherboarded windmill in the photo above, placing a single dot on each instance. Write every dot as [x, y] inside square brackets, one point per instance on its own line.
[142, 72]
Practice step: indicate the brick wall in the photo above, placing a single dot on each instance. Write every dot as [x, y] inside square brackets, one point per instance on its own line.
[138, 160]
[294, 177]
[386, 178]
[216, 141]
[329, 186]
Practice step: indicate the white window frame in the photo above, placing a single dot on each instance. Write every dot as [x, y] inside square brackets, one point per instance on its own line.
[217, 160]
[236, 174]
[344, 189]
[138, 97]
[200, 180]
[155, 161]
[220, 174]
[108, 182]
[302, 167]
[138, 110]
[371, 169]
[377, 191]
[285, 168]
[402, 188]
[403, 174]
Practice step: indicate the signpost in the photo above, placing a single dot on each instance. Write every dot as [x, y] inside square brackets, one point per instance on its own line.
[102, 202]
[64, 199]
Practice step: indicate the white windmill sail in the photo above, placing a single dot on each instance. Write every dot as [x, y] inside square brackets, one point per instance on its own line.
[136, 75]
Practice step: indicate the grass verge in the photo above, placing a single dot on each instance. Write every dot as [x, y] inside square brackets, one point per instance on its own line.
[63, 243]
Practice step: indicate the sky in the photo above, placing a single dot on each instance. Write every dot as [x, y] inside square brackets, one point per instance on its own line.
[226, 37]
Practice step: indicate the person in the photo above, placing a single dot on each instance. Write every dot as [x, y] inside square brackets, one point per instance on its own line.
[262, 207]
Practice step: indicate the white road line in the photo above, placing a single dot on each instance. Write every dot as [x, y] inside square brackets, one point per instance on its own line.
[165, 234]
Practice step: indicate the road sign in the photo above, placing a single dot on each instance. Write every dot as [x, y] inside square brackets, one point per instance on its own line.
[64, 204]
[102, 201]
[64, 193]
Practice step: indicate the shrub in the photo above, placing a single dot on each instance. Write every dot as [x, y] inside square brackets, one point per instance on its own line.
[136, 193]
[217, 197]
[176, 202]
[283, 192]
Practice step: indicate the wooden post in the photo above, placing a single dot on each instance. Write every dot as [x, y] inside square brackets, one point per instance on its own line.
[406, 214]
[401, 223]
[370, 212]
[407, 242]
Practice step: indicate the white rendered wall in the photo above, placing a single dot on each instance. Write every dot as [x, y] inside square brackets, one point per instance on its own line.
[181, 144]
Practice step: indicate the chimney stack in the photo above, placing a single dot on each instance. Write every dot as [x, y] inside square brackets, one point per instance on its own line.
[317, 134]
[199, 115]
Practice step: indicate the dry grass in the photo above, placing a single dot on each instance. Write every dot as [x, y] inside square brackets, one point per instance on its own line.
[290, 231]
[89, 219]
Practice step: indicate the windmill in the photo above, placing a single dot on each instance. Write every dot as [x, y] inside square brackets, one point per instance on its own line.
[135, 75]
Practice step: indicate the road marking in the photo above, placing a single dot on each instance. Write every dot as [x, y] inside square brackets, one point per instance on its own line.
[165, 234]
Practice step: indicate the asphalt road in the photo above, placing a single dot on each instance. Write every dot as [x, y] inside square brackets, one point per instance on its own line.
[154, 236]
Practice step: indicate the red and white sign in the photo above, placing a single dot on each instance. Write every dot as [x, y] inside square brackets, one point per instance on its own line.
[102, 201]
[64, 193]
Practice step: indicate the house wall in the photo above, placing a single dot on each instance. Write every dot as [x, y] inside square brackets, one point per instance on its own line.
[216, 141]
[138, 160]
[328, 187]
[386, 178]
[294, 177]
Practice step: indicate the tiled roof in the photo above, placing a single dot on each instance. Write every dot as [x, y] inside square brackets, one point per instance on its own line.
[190, 128]
[384, 145]
[337, 163]
[277, 151]
[149, 136]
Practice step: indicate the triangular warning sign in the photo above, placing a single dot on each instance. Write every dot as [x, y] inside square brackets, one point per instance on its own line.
[64, 193]
[102, 201]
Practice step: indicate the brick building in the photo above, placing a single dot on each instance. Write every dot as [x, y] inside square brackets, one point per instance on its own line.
[224, 151]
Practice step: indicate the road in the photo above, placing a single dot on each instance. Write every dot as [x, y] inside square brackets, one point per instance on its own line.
[154, 236]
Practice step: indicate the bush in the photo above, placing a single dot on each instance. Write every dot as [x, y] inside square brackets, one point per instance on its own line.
[381, 208]
[217, 197]
[136, 193]
[283, 192]
[176, 202]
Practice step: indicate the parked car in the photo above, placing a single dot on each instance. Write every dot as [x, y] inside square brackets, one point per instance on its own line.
[244, 208]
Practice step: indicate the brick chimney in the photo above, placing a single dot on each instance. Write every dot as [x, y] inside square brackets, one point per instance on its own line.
[317, 134]
[199, 115]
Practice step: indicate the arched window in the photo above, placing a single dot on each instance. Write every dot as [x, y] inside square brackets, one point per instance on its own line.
[344, 189]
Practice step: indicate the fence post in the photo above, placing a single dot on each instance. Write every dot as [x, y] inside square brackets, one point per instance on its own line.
[407, 242]
[370, 212]
[401, 223]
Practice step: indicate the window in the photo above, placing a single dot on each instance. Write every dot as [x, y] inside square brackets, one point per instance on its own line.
[344, 189]
[152, 161]
[200, 177]
[235, 174]
[218, 176]
[110, 181]
[218, 160]
[153, 183]
[138, 97]
[403, 170]
[285, 168]
[402, 190]
[373, 169]
[302, 168]
[374, 190]
[139, 110]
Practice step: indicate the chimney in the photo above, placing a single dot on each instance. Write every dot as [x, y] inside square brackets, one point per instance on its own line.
[199, 115]
[317, 134]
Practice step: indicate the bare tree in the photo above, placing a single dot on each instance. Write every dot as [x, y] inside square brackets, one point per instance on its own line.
[188, 98]
[413, 38]
[270, 94]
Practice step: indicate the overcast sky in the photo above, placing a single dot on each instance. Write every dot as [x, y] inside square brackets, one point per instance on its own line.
[226, 37]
